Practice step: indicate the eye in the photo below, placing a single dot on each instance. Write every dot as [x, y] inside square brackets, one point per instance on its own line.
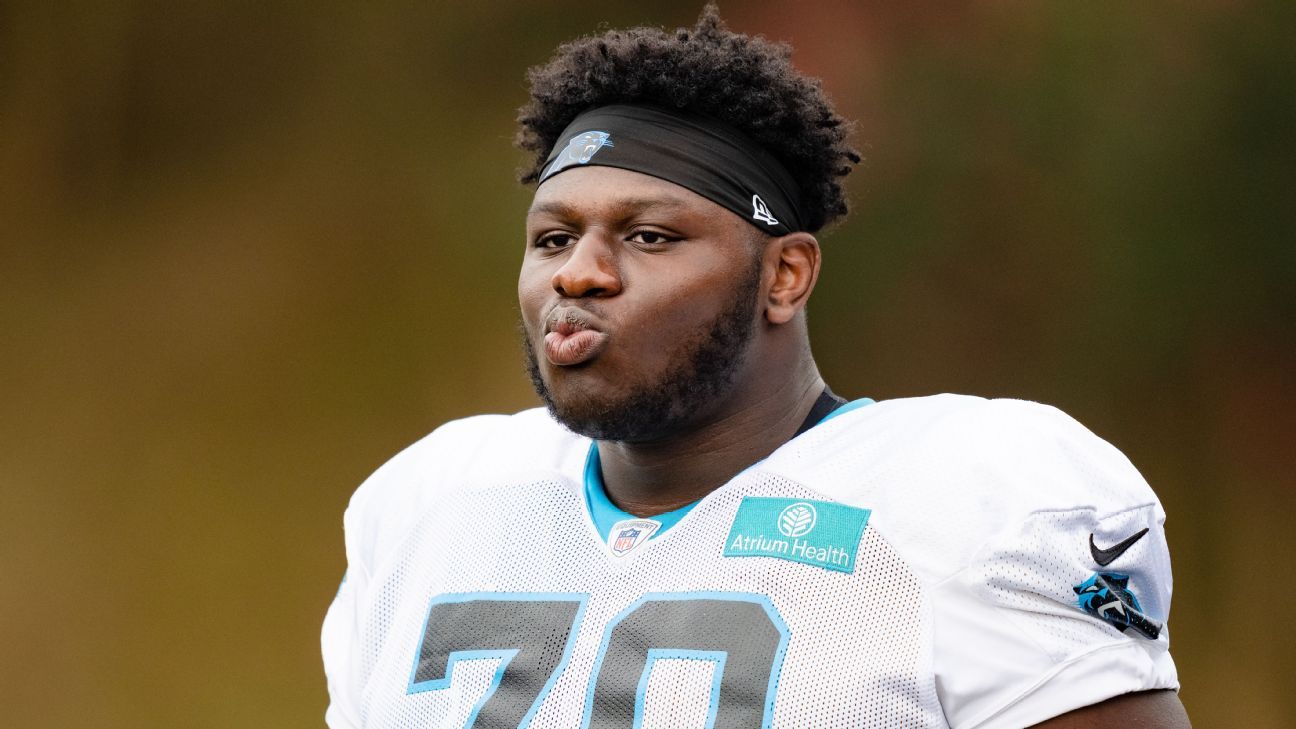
[651, 238]
[554, 241]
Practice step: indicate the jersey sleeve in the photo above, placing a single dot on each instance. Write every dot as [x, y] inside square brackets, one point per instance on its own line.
[1064, 605]
[380, 513]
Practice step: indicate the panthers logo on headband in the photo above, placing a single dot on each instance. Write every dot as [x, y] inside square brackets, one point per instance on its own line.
[1106, 595]
[580, 150]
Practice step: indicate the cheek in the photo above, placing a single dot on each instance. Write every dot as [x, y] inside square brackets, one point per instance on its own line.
[678, 309]
[533, 287]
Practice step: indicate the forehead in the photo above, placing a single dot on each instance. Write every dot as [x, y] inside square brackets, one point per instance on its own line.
[599, 190]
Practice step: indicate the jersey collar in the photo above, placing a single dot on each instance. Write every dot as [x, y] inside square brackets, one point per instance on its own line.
[606, 514]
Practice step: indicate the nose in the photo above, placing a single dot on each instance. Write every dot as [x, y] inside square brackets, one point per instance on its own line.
[590, 270]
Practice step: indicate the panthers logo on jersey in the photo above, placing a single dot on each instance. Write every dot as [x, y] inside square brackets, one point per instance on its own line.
[580, 150]
[1106, 595]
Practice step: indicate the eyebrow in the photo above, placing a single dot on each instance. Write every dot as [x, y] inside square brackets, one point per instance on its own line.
[622, 208]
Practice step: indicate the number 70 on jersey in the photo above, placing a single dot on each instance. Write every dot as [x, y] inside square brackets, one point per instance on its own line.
[533, 636]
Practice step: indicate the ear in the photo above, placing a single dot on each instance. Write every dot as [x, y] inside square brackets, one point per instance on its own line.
[793, 260]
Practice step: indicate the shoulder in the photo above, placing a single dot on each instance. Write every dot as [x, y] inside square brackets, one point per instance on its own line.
[944, 474]
[494, 443]
[1025, 455]
[458, 456]
[996, 506]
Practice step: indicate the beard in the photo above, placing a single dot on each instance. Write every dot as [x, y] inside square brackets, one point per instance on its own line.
[674, 399]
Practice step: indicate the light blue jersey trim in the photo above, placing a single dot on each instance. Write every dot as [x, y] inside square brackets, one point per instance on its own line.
[605, 514]
[852, 405]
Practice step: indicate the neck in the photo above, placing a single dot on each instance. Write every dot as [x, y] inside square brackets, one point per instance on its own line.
[645, 479]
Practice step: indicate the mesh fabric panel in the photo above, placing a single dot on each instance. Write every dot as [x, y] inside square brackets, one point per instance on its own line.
[857, 649]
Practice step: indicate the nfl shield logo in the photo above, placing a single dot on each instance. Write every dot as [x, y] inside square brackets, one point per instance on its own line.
[630, 533]
[625, 540]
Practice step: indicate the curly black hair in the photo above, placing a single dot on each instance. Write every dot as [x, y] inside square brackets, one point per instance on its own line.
[747, 82]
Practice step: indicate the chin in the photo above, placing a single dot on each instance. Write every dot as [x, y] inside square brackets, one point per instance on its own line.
[595, 415]
[621, 427]
[588, 409]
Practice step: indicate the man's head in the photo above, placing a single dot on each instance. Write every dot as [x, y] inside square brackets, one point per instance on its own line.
[659, 289]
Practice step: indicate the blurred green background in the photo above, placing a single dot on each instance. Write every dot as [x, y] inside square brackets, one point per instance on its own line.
[250, 250]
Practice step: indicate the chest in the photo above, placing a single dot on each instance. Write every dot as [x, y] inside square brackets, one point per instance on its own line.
[504, 608]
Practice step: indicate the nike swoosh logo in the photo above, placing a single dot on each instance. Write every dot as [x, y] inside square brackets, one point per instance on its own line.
[1105, 557]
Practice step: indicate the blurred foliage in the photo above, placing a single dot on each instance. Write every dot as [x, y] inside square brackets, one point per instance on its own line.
[248, 250]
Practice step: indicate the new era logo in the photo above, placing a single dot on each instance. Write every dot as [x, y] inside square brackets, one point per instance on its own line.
[761, 211]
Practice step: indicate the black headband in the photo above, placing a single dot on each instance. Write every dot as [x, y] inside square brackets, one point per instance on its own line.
[702, 154]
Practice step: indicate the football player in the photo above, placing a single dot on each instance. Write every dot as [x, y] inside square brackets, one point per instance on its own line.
[695, 531]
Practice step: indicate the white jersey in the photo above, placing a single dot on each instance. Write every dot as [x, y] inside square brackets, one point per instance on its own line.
[934, 562]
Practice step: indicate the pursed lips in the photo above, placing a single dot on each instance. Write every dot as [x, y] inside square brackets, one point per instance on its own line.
[572, 336]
